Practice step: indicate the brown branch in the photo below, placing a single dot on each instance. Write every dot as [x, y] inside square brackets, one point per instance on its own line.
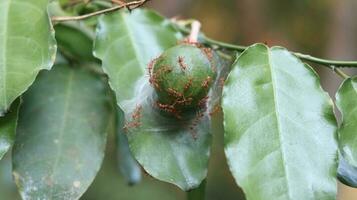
[130, 5]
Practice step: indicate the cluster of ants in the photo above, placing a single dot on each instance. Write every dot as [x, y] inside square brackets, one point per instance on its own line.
[180, 99]
[135, 119]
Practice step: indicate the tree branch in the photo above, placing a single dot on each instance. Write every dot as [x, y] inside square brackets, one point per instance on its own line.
[130, 5]
[332, 64]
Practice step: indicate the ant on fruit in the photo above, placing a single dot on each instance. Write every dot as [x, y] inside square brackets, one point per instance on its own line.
[208, 52]
[152, 77]
[168, 108]
[206, 82]
[184, 101]
[188, 85]
[202, 103]
[174, 93]
[182, 63]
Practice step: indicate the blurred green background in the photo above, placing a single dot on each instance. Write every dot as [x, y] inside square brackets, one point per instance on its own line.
[324, 28]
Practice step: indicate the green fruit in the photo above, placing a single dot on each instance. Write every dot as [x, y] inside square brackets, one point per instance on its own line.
[182, 77]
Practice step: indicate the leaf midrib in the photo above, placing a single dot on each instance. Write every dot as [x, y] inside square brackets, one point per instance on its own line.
[132, 41]
[64, 122]
[277, 117]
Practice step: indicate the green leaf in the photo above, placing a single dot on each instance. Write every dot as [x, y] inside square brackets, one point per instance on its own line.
[75, 40]
[165, 146]
[7, 186]
[8, 128]
[347, 173]
[61, 134]
[126, 43]
[27, 45]
[346, 100]
[279, 127]
[128, 166]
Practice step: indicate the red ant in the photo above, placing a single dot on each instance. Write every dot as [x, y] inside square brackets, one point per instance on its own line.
[187, 41]
[184, 101]
[152, 77]
[206, 82]
[137, 113]
[188, 84]
[135, 119]
[203, 101]
[195, 122]
[208, 52]
[151, 65]
[221, 82]
[182, 63]
[165, 69]
[168, 108]
[174, 93]
[216, 109]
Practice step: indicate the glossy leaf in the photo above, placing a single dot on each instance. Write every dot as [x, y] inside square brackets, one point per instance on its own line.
[165, 146]
[126, 43]
[61, 134]
[8, 128]
[279, 128]
[346, 100]
[27, 45]
[75, 40]
[128, 166]
[8, 188]
[347, 173]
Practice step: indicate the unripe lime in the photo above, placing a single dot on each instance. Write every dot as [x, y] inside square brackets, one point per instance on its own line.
[182, 77]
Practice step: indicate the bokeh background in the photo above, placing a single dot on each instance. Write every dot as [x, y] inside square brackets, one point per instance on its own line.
[324, 28]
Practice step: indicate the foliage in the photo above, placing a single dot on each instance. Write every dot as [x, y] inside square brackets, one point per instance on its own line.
[24, 24]
[67, 138]
[285, 113]
[281, 138]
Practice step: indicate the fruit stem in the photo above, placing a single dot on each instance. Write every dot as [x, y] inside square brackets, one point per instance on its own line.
[195, 30]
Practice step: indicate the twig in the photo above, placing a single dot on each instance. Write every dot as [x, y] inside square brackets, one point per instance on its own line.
[129, 5]
[339, 72]
[332, 64]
